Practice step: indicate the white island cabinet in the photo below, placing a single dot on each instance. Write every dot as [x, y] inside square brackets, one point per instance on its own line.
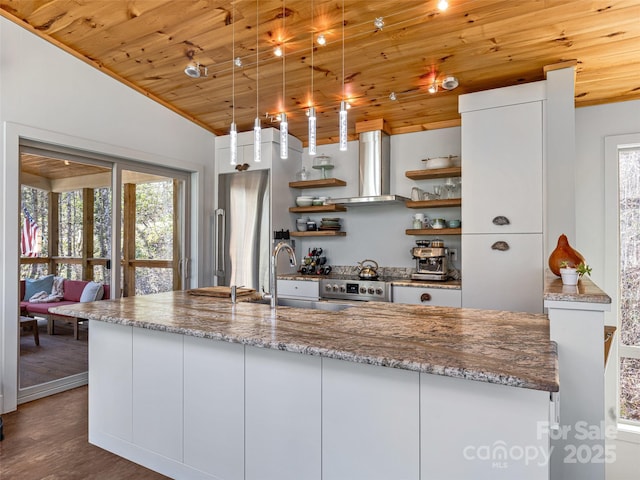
[282, 412]
[221, 391]
[369, 425]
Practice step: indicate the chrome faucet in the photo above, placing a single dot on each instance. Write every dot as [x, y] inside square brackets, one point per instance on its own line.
[273, 280]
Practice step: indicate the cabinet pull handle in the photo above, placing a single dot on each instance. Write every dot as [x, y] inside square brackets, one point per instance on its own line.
[502, 246]
[425, 297]
[501, 220]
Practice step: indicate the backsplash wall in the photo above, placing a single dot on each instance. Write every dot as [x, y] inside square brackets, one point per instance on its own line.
[377, 232]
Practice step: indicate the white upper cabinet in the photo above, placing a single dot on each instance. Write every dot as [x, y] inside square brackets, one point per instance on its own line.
[502, 185]
[502, 165]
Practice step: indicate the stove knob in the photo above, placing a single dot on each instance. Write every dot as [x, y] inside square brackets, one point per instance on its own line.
[378, 291]
[363, 290]
[371, 290]
[327, 287]
[336, 288]
[342, 289]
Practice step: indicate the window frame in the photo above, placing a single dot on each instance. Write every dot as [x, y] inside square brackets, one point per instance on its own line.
[628, 430]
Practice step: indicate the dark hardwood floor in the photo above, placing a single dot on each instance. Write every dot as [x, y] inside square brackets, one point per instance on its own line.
[47, 439]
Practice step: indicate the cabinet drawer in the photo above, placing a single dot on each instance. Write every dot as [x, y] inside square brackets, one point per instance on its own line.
[503, 272]
[299, 289]
[440, 297]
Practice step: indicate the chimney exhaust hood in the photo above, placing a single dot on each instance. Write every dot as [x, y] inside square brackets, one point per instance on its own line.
[374, 167]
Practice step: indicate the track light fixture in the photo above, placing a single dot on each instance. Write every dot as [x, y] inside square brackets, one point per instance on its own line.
[195, 70]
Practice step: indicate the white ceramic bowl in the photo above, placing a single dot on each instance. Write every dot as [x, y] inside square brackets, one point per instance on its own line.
[304, 202]
[437, 162]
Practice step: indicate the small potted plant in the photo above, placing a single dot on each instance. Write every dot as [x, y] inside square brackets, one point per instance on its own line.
[571, 274]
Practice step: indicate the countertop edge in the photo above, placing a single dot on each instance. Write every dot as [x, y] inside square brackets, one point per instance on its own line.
[467, 373]
[586, 291]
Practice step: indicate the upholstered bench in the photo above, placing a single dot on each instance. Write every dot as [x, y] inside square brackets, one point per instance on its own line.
[73, 291]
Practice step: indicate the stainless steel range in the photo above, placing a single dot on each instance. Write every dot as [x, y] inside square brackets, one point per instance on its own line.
[355, 289]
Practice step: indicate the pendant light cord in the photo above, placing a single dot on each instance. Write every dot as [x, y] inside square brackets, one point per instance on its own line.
[312, 53]
[233, 66]
[343, 92]
[257, 60]
[284, 13]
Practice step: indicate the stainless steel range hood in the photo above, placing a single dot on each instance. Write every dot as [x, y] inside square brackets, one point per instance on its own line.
[374, 171]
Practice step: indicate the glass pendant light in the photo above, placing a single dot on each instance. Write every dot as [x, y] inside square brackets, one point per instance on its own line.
[343, 106]
[257, 130]
[312, 131]
[312, 110]
[233, 131]
[284, 125]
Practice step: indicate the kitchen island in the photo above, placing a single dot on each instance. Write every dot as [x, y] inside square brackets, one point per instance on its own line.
[196, 387]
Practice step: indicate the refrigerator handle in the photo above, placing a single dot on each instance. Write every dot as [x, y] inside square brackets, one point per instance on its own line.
[219, 255]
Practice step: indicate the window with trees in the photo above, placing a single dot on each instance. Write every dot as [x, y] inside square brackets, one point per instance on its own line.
[629, 339]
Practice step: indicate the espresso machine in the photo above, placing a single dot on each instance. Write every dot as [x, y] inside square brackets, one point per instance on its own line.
[431, 260]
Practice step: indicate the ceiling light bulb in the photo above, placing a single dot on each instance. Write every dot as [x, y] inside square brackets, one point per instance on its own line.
[321, 39]
[378, 23]
[392, 96]
[277, 51]
[433, 88]
[443, 5]
[238, 62]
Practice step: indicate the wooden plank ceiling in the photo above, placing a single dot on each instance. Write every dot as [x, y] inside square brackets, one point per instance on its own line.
[484, 43]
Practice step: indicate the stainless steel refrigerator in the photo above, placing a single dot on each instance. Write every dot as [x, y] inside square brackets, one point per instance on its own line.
[243, 231]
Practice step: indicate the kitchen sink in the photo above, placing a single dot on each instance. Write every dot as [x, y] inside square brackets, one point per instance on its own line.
[310, 304]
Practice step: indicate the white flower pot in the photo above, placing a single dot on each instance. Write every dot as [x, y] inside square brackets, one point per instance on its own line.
[569, 276]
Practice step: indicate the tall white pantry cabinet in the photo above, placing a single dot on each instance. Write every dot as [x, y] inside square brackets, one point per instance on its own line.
[502, 186]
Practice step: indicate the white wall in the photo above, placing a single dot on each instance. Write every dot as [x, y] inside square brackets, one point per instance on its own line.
[378, 232]
[593, 124]
[51, 96]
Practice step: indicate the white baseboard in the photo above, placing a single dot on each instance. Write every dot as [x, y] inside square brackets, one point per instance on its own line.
[50, 388]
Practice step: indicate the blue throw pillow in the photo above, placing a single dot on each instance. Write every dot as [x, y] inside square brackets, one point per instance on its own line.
[35, 285]
[92, 291]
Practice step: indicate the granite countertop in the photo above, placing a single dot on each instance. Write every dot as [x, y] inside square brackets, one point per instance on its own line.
[484, 345]
[586, 291]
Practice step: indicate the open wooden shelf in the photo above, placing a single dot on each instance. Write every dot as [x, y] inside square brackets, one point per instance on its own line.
[444, 202]
[320, 183]
[428, 173]
[318, 209]
[319, 233]
[433, 231]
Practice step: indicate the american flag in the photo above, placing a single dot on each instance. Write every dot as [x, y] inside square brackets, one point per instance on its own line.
[30, 244]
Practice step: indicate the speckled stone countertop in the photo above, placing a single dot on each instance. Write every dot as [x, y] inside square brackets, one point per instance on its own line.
[490, 346]
[586, 291]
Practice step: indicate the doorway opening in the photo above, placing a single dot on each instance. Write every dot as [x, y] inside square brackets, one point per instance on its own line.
[72, 230]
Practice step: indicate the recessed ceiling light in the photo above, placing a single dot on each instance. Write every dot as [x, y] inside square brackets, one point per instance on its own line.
[443, 5]
[238, 62]
[392, 96]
